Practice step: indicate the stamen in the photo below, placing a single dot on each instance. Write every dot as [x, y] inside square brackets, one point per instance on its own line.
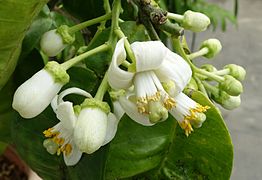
[142, 102]
[185, 124]
[48, 133]
[67, 149]
[169, 103]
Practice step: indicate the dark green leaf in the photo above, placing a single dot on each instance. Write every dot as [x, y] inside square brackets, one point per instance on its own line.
[206, 154]
[15, 19]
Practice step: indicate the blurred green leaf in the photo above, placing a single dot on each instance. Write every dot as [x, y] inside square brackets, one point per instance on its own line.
[165, 150]
[3, 146]
[16, 17]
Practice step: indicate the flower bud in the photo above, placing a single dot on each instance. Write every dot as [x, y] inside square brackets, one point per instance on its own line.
[214, 47]
[91, 125]
[236, 71]
[54, 41]
[195, 21]
[35, 94]
[231, 86]
[226, 101]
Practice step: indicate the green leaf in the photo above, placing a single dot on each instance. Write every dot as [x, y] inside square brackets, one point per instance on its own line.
[165, 150]
[15, 18]
[84, 9]
[100, 62]
[3, 147]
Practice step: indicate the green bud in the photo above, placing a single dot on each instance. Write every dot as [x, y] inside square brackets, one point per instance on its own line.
[200, 118]
[236, 71]
[157, 112]
[231, 86]
[57, 71]
[50, 146]
[208, 67]
[226, 101]
[214, 47]
[195, 21]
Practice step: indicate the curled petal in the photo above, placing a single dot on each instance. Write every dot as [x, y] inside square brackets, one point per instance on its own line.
[111, 129]
[54, 103]
[118, 110]
[65, 113]
[74, 156]
[118, 78]
[149, 55]
[131, 110]
[73, 90]
[176, 69]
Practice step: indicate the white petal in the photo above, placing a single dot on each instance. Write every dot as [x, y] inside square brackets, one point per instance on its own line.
[90, 129]
[73, 90]
[112, 123]
[73, 158]
[118, 110]
[149, 55]
[54, 103]
[131, 110]
[34, 95]
[174, 68]
[65, 113]
[52, 43]
[118, 78]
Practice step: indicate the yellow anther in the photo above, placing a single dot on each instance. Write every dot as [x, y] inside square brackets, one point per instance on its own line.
[58, 152]
[185, 124]
[67, 149]
[169, 103]
[48, 133]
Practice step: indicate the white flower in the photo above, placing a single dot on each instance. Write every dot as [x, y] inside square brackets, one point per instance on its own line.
[34, 95]
[60, 137]
[155, 65]
[187, 112]
[95, 127]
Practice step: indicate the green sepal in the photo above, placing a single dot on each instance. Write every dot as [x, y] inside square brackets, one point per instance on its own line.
[57, 72]
[94, 103]
[64, 33]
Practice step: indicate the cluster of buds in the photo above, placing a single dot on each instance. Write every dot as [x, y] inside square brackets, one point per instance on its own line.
[228, 87]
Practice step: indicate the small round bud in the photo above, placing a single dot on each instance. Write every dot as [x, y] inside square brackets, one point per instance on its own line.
[195, 21]
[226, 101]
[214, 47]
[208, 67]
[52, 43]
[231, 86]
[236, 71]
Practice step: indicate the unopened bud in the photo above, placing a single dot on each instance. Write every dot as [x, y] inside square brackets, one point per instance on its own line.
[214, 47]
[231, 86]
[226, 101]
[195, 21]
[236, 71]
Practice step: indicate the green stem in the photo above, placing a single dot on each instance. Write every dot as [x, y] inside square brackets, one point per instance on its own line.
[115, 19]
[68, 64]
[201, 86]
[85, 24]
[199, 53]
[129, 51]
[102, 88]
[210, 88]
[178, 47]
[107, 6]
[177, 17]
[222, 72]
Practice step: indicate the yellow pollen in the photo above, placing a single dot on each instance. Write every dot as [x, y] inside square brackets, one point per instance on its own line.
[48, 133]
[185, 124]
[67, 149]
[58, 141]
[199, 108]
[142, 102]
[58, 152]
[169, 103]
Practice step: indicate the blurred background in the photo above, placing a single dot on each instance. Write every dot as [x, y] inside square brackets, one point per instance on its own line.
[242, 44]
